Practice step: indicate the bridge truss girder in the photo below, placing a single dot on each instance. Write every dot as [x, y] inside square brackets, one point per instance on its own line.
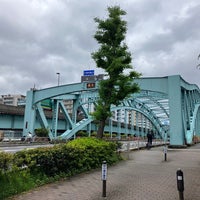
[183, 106]
[169, 103]
[56, 95]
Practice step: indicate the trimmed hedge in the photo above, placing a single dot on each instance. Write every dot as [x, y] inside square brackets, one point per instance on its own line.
[73, 157]
[42, 165]
[5, 161]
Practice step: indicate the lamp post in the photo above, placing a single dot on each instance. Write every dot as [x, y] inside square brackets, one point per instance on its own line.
[58, 74]
[198, 66]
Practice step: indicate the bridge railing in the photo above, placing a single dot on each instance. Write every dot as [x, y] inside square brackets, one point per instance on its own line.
[138, 144]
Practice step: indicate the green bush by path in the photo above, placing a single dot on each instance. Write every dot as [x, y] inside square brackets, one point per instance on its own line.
[30, 168]
[94, 152]
[41, 132]
[5, 161]
[73, 157]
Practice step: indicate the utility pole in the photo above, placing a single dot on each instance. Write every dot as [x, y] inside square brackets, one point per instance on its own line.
[58, 74]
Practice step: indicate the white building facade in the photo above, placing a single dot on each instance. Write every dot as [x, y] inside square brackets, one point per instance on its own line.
[12, 99]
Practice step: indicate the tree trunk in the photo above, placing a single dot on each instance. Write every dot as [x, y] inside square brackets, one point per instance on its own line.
[101, 129]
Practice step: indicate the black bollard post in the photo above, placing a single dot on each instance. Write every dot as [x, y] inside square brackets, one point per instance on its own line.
[165, 153]
[180, 183]
[104, 177]
[128, 149]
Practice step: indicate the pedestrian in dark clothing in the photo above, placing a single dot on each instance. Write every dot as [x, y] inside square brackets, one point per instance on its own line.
[149, 140]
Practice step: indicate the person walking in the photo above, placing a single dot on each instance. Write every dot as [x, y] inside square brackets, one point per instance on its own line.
[149, 140]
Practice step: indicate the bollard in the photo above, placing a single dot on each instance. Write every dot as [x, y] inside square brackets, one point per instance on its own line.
[128, 146]
[128, 149]
[180, 183]
[165, 153]
[104, 177]
[138, 144]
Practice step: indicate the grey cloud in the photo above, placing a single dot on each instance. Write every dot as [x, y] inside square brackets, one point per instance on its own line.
[40, 38]
[142, 11]
[177, 30]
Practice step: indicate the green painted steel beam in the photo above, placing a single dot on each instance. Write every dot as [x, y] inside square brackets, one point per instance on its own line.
[170, 103]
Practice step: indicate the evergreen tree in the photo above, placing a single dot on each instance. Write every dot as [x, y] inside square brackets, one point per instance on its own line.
[114, 58]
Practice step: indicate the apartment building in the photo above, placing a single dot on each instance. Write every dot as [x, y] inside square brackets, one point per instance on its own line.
[12, 99]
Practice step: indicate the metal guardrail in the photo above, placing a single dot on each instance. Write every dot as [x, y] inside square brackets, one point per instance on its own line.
[138, 144]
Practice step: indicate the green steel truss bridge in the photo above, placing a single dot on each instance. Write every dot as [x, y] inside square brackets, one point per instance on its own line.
[168, 107]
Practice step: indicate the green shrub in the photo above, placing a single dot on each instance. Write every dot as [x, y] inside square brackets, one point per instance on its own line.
[82, 134]
[73, 157]
[114, 135]
[96, 150]
[5, 161]
[45, 164]
[42, 132]
[94, 134]
[106, 135]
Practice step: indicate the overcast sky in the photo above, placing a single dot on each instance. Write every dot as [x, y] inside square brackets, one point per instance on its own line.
[39, 38]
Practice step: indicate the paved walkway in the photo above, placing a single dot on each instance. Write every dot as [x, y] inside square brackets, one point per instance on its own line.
[143, 176]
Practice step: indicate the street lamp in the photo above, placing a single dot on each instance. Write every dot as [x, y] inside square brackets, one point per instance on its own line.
[198, 66]
[58, 74]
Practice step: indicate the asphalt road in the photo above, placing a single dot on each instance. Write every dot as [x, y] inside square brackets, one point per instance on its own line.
[13, 149]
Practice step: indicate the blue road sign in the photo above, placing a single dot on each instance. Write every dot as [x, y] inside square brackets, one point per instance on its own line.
[88, 72]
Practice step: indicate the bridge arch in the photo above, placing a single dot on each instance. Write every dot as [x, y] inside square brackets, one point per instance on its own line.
[170, 103]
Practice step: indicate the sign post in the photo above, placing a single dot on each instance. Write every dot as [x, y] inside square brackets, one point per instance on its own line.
[165, 152]
[180, 183]
[104, 177]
